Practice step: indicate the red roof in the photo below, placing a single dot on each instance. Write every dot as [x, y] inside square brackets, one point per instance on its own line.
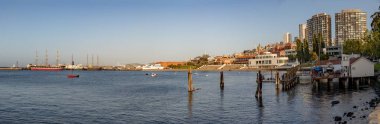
[352, 60]
[327, 62]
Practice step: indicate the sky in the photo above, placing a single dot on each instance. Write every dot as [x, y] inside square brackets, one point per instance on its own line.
[145, 31]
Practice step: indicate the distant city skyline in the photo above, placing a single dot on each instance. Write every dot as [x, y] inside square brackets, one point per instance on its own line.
[135, 31]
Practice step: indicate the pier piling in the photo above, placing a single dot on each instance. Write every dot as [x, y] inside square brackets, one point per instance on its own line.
[221, 81]
[259, 85]
[190, 81]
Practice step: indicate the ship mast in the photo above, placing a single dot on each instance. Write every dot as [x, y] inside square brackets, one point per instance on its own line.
[46, 59]
[57, 61]
[97, 60]
[36, 58]
[92, 60]
[87, 60]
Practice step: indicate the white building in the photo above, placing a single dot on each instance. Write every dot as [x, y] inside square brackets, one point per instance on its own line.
[267, 60]
[152, 67]
[290, 52]
[355, 66]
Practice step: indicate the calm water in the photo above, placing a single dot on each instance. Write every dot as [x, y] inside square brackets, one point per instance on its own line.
[132, 97]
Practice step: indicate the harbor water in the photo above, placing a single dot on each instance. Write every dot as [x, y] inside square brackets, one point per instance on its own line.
[134, 97]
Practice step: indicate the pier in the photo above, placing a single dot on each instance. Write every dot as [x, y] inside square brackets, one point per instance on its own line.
[289, 79]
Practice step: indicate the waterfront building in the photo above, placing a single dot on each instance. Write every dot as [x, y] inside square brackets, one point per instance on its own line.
[267, 60]
[302, 31]
[335, 51]
[243, 59]
[350, 24]
[356, 66]
[152, 67]
[319, 24]
[289, 52]
[287, 37]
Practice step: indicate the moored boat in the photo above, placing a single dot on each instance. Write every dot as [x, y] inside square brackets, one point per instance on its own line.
[45, 68]
[73, 76]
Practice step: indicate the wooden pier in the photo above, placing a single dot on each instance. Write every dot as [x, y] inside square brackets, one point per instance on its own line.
[289, 79]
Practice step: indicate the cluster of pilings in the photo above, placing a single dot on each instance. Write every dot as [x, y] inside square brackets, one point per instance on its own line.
[344, 82]
[290, 79]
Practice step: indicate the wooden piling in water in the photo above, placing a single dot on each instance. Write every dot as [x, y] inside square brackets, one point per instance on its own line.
[190, 81]
[259, 85]
[221, 80]
[277, 76]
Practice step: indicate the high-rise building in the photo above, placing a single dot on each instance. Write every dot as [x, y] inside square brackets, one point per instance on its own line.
[302, 31]
[287, 37]
[350, 24]
[319, 25]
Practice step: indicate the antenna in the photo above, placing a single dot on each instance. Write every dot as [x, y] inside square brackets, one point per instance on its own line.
[46, 59]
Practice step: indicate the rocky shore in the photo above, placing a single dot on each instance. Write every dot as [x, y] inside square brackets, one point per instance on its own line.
[374, 117]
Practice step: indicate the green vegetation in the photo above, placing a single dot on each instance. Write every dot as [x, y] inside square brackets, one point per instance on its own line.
[302, 50]
[182, 66]
[314, 56]
[377, 67]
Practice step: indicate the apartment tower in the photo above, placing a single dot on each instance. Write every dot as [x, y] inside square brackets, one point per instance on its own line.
[302, 31]
[319, 24]
[350, 24]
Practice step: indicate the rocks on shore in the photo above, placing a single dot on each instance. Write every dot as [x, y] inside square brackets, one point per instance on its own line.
[334, 102]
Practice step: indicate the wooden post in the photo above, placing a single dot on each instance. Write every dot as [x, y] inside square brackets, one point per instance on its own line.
[346, 83]
[190, 81]
[369, 81]
[221, 80]
[259, 85]
[357, 83]
[277, 79]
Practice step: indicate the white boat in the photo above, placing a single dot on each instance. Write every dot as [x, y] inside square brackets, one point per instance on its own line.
[153, 67]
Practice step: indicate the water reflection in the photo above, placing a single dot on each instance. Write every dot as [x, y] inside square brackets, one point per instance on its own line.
[190, 104]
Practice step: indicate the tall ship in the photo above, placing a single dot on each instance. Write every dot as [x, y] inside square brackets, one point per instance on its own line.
[45, 67]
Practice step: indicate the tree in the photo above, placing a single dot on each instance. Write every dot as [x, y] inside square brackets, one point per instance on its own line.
[306, 51]
[299, 50]
[317, 44]
[314, 56]
[375, 24]
[324, 57]
[353, 46]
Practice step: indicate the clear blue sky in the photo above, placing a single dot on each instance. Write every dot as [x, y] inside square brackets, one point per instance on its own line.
[143, 31]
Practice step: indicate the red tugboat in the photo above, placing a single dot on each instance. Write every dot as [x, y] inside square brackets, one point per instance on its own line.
[72, 76]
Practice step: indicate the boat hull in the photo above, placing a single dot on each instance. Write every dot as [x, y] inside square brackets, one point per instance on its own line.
[46, 69]
[72, 76]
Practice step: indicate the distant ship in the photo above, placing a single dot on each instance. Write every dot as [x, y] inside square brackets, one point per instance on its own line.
[45, 68]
